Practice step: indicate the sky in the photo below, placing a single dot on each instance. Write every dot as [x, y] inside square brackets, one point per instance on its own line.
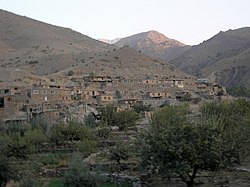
[189, 21]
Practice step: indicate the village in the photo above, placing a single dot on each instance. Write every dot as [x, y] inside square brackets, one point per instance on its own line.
[88, 93]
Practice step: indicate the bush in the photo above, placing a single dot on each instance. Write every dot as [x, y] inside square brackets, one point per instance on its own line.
[78, 174]
[34, 138]
[56, 183]
[125, 119]
[121, 151]
[70, 73]
[7, 172]
[30, 183]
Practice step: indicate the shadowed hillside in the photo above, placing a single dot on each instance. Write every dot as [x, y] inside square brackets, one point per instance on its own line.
[224, 58]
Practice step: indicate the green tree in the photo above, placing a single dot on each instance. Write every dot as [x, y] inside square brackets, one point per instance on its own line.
[234, 129]
[125, 119]
[30, 183]
[7, 172]
[108, 115]
[121, 151]
[72, 131]
[178, 145]
[139, 107]
[40, 122]
[81, 137]
[78, 175]
[34, 138]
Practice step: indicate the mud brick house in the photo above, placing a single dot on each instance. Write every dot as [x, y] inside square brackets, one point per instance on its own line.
[158, 94]
[105, 99]
[7, 101]
[40, 94]
[127, 103]
[149, 81]
[7, 105]
[101, 79]
[178, 83]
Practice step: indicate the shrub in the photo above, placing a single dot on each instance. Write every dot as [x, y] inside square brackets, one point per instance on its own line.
[78, 174]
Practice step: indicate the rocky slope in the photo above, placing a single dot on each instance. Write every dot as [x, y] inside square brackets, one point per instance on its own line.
[224, 58]
[154, 44]
[35, 51]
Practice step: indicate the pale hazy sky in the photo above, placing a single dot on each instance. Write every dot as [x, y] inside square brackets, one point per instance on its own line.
[189, 21]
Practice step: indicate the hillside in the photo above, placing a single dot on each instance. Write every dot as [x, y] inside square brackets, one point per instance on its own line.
[154, 44]
[33, 51]
[224, 58]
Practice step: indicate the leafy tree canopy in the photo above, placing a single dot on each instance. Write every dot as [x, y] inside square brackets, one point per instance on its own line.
[179, 145]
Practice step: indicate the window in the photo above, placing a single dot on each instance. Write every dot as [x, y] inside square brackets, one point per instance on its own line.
[9, 99]
[52, 92]
[44, 91]
[35, 91]
[1, 102]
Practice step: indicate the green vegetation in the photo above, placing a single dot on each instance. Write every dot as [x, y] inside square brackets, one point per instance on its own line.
[121, 119]
[78, 174]
[56, 183]
[121, 151]
[30, 183]
[7, 172]
[142, 108]
[31, 147]
[178, 145]
[239, 92]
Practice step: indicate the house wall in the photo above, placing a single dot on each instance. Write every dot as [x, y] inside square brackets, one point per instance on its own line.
[106, 98]
[159, 94]
[7, 106]
[49, 94]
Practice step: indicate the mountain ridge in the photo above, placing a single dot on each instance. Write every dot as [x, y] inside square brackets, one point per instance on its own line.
[217, 57]
[41, 51]
[154, 44]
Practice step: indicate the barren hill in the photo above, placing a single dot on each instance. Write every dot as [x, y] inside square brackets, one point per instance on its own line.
[32, 51]
[154, 44]
[225, 58]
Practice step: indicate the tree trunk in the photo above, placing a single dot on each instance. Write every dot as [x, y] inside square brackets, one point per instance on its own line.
[189, 179]
[190, 183]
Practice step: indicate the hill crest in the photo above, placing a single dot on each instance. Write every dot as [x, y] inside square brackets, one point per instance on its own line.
[154, 44]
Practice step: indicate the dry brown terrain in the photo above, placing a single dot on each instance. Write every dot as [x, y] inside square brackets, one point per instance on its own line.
[224, 58]
[154, 44]
[34, 51]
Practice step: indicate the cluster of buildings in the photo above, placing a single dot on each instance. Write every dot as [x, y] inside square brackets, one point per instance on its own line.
[92, 91]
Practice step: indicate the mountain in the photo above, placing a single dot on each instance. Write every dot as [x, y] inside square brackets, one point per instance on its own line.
[223, 58]
[32, 51]
[154, 44]
[109, 41]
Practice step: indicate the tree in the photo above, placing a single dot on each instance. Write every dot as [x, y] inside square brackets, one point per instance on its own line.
[7, 172]
[125, 119]
[234, 128]
[121, 151]
[142, 108]
[78, 175]
[178, 145]
[72, 131]
[108, 115]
